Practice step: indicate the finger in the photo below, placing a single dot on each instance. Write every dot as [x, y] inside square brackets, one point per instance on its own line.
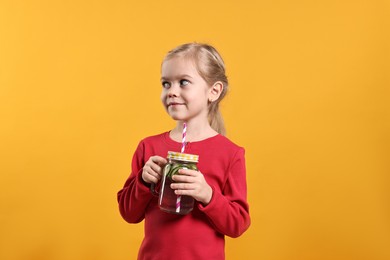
[155, 174]
[182, 186]
[149, 178]
[155, 169]
[188, 172]
[184, 192]
[156, 179]
[183, 178]
[159, 160]
[152, 179]
[148, 171]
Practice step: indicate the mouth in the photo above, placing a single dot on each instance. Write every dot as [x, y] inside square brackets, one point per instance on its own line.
[174, 104]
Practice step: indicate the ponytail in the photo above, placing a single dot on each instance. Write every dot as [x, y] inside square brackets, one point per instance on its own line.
[215, 118]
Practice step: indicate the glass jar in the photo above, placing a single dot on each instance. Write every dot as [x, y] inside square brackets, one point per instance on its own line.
[168, 201]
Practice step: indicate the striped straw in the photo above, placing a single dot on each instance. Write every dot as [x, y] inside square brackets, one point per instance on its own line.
[178, 204]
[183, 146]
[183, 140]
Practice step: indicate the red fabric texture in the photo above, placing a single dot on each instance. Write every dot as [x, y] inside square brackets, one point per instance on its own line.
[199, 234]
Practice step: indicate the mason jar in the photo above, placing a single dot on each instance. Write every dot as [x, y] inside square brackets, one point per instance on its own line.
[168, 201]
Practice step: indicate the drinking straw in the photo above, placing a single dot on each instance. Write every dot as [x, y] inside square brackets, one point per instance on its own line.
[183, 140]
[183, 146]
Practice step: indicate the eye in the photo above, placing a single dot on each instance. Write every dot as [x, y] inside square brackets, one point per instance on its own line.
[184, 82]
[165, 84]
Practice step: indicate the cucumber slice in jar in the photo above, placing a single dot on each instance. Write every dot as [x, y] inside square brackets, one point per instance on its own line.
[173, 169]
[192, 167]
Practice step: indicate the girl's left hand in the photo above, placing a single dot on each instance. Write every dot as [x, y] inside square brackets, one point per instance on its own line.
[192, 183]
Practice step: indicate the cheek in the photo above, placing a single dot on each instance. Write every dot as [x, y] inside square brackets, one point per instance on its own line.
[162, 96]
[163, 99]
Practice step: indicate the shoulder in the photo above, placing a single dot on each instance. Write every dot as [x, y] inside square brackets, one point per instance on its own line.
[154, 138]
[227, 147]
[227, 143]
[223, 153]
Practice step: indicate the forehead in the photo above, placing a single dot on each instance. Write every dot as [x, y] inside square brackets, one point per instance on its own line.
[178, 66]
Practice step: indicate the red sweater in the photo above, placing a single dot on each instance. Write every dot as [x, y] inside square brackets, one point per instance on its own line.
[200, 234]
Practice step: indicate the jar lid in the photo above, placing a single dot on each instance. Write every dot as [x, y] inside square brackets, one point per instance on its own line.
[183, 157]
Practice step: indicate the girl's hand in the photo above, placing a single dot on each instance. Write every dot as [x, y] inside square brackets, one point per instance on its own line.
[192, 183]
[152, 171]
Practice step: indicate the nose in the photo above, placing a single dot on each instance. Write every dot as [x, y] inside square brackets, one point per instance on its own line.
[173, 91]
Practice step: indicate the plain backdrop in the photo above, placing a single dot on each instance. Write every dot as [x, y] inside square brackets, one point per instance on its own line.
[309, 101]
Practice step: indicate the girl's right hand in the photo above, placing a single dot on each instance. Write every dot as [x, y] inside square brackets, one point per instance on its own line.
[152, 171]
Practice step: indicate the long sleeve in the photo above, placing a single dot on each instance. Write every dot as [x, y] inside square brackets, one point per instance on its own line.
[135, 196]
[228, 209]
[223, 165]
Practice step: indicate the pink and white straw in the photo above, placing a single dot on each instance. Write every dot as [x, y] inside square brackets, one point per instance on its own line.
[183, 140]
[183, 146]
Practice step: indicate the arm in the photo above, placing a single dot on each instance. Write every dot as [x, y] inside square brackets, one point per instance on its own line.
[228, 210]
[134, 197]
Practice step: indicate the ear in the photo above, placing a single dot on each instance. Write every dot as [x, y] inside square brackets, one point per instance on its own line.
[215, 91]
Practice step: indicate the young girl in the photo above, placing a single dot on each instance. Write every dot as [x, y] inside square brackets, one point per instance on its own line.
[193, 83]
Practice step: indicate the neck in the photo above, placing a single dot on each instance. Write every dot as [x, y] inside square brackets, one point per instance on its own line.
[195, 132]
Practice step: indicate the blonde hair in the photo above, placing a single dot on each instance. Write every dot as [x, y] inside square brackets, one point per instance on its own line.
[211, 68]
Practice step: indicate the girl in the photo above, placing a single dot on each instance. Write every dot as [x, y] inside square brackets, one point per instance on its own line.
[193, 83]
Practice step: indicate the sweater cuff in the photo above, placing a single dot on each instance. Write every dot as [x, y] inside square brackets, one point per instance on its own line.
[212, 203]
[141, 184]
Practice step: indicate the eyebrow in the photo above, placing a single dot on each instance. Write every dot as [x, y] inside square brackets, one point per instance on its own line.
[180, 76]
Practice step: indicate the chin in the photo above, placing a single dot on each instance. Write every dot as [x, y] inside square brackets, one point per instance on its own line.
[176, 117]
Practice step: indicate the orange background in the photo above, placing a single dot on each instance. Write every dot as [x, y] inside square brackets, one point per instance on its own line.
[309, 100]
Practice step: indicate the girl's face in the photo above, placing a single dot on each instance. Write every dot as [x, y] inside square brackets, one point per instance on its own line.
[185, 93]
